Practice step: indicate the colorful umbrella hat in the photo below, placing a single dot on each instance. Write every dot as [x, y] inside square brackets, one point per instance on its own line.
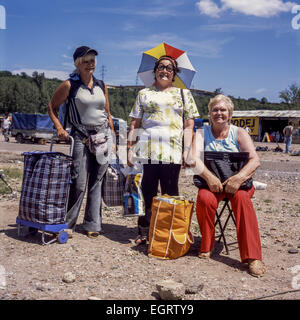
[182, 80]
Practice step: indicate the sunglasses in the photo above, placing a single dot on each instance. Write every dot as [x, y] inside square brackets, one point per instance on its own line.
[168, 68]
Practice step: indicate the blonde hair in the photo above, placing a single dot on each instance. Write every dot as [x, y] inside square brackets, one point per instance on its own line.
[227, 103]
[80, 60]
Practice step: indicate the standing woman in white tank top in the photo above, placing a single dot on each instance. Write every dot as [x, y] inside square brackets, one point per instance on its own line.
[88, 114]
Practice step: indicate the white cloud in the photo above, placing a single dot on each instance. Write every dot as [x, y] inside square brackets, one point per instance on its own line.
[50, 74]
[209, 8]
[229, 27]
[128, 26]
[261, 90]
[164, 9]
[209, 48]
[258, 8]
[66, 56]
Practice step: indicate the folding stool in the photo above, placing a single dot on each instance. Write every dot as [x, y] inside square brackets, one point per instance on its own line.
[219, 214]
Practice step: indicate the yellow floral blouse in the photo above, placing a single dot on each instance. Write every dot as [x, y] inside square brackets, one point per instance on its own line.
[160, 135]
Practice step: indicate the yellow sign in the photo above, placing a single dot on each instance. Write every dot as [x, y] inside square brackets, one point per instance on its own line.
[251, 122]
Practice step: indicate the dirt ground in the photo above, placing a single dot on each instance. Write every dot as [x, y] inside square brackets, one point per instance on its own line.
[111, 267]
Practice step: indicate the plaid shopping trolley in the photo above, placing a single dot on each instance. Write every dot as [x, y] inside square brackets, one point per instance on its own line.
[45, 190]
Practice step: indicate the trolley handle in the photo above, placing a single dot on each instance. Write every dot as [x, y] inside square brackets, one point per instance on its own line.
[71, 144]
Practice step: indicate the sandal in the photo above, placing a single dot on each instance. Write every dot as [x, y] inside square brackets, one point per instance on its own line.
[92, 234]
[204, 255]
[256, 268]
[140, 240]
[69, 232]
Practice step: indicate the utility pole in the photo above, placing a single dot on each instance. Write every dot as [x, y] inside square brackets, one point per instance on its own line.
[103, 71]
[137, 80]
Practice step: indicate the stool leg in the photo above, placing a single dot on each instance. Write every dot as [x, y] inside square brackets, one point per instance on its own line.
[222, 229]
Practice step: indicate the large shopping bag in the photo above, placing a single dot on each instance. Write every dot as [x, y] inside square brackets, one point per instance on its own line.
[45, 187]
[113, 186]
[169, 233]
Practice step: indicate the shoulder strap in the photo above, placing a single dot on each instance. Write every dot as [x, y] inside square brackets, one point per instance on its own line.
[182, 97]
[75, 85]
[183, 101]
[100, 84]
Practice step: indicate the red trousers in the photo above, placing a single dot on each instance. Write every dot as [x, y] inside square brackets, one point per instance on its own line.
[246, 221]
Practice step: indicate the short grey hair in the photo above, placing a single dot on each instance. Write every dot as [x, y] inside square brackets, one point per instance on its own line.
[227, 102]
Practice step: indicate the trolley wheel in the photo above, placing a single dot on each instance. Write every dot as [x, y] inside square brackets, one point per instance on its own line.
[42, 141]
[62, 237]
[19, 138]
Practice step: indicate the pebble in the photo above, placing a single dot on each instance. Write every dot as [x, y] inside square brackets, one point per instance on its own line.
[69, 277]
[93, 298]
[194, 289]
[170, 290]
[293, 250]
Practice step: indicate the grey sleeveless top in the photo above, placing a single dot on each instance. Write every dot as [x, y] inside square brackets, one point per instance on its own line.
[90, 104]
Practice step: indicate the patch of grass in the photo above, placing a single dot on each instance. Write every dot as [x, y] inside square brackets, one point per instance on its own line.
[9, 174]
[13, 173]
[267, 201]
[196, 228]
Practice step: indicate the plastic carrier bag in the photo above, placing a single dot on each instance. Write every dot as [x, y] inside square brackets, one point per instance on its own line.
[133, 197]
[169, 232]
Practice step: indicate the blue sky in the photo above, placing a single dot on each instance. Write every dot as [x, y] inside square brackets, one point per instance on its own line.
[248, 48]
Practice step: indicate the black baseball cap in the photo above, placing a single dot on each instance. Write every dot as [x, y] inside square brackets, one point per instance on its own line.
[82, 51]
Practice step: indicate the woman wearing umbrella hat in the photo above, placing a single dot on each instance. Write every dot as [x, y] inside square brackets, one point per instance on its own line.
[160, 113]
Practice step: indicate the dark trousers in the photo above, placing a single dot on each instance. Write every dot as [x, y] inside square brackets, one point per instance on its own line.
[165, 174]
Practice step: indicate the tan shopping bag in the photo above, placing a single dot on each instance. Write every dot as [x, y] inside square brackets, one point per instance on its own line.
[169, 233]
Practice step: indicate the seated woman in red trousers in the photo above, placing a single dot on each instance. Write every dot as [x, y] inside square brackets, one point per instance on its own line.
[222, 136]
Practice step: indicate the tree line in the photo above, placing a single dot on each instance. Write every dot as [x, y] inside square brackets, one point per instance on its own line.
[31, 94]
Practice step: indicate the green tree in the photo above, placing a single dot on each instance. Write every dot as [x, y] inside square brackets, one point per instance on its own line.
[291, 95]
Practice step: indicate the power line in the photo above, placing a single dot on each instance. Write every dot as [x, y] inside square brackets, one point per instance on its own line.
[103, 71]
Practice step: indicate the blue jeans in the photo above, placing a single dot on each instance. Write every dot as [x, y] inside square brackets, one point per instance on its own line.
[288, 142]
[86, 172]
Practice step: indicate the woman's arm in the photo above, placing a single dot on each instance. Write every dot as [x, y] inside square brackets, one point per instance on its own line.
[246, 145]
[59, 97]
[188, 133]
[132, 138]
[200, 169]
[107, 109]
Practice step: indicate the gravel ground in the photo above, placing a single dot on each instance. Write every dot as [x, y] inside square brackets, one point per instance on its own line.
[111, 267]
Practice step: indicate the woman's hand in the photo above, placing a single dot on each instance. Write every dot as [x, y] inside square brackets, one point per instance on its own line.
[214, 184]
[62, 134]
[187, 160]
[233, 184]
[129, 157]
